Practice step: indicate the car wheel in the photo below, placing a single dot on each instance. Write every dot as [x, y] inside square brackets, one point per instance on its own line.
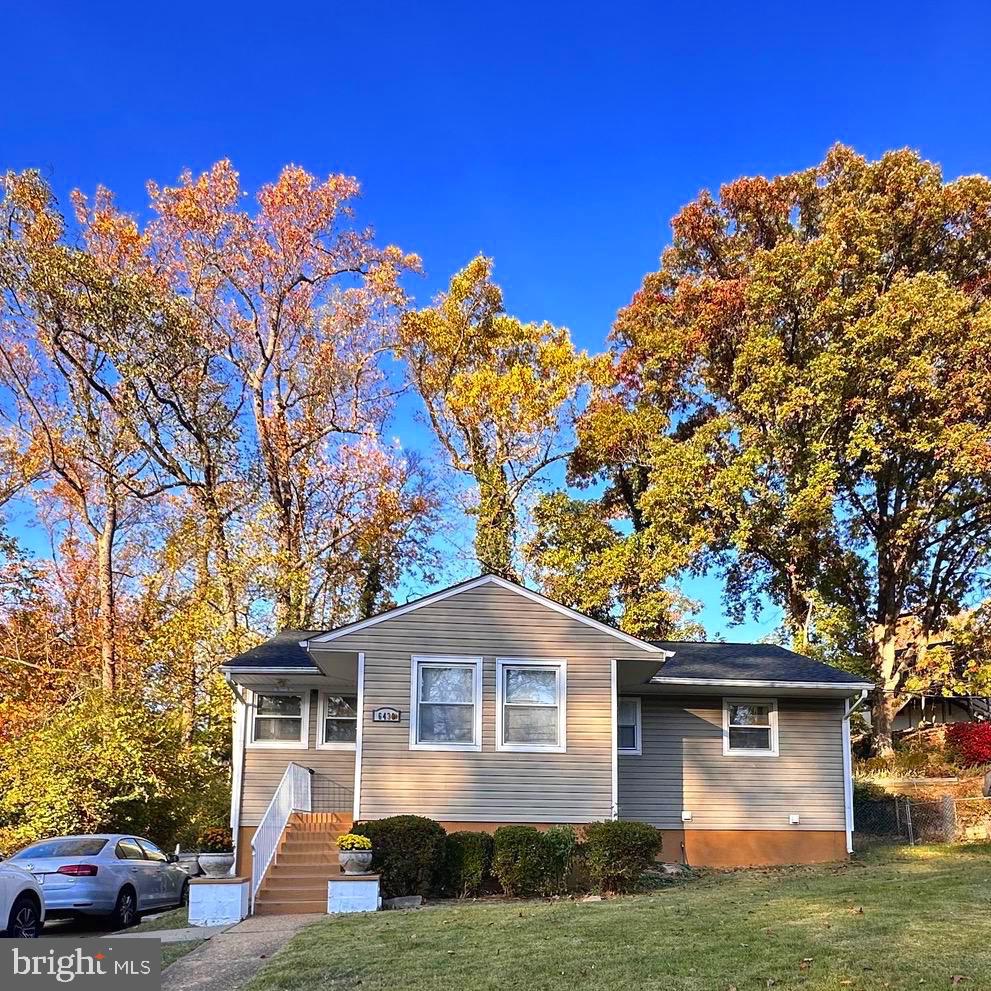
[25, 919]
[126, 909]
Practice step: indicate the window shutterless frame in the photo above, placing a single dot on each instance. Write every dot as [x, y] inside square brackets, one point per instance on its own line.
[560, 667]
[421, 662]
[633, 702]
[323, 714]
[771, 725]
[302, 743]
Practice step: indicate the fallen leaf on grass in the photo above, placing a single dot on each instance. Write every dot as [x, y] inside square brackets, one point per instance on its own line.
[958, 979]
[805, 964]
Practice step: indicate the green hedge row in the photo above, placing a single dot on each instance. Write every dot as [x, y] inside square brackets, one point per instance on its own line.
[416, 857]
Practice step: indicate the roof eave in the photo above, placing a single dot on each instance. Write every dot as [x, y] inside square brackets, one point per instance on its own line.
[763, 683]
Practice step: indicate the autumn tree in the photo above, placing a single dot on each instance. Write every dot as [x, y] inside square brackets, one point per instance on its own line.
[56, 300]
[801, 400]
[500, 395]
[580, 558]
[305, 306]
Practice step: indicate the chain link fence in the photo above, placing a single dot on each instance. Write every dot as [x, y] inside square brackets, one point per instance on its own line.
[901, 819]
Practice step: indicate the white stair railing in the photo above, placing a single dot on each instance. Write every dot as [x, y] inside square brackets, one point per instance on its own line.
[292, 795]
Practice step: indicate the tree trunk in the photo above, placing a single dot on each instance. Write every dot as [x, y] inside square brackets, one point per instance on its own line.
[218, 538]
[495, 524]
[887, 702]
[107, 603]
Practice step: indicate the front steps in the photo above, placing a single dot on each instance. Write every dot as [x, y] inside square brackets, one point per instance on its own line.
[296, 881]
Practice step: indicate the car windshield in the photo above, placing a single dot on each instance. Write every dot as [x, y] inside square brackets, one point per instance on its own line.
[73, 846]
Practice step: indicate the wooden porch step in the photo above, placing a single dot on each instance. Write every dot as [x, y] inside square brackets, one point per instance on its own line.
[294, 906]
[302, 858]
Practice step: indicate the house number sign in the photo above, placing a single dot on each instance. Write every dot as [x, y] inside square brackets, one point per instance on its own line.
[386, 715]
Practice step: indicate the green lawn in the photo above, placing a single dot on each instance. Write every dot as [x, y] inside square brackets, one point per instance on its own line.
[902, 918]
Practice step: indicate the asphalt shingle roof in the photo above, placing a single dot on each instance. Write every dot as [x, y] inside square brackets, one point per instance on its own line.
[281, 651]
[706, 661]
[746, 662]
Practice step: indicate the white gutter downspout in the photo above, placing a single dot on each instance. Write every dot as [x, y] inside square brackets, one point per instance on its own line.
[237, 756]
[848, 711]
[358, 735]
[614, 734]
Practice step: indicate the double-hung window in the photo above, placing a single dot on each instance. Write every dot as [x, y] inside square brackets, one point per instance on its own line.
[750, 727]
[446, 703]
[338, 722]
[279, 719]
[530, 705]
[628, 726]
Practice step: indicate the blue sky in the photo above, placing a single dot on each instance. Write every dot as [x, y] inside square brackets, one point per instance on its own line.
[559, 138]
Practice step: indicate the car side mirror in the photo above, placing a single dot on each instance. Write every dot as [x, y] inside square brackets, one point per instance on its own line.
[172, 858]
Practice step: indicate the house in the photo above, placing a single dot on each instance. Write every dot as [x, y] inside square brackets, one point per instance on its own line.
[926, 711]
[487, 703]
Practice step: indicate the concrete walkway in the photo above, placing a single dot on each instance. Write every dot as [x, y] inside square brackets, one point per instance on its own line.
[231, 958]
[189, 934]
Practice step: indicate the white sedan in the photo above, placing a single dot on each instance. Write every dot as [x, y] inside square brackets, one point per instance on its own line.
[22, 903]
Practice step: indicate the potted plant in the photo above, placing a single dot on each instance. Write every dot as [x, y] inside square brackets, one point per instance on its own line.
[216, 855]
[355, 853]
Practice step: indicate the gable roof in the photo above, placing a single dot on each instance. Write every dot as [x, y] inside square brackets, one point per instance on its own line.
[707, 662]
[481, 580]
[684, 662]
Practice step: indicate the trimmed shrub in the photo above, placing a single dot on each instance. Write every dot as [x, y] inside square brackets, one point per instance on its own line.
[523, 862]
[408, 851]
[467, 862]
[617, 853]
[562, 844]
[970, 742]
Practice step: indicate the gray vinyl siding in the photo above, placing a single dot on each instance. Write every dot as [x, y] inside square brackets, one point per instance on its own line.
[683, 768]
[491, 785]
[263, 770]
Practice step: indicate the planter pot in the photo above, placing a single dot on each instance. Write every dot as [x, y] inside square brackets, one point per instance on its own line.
[356, 861]
[189, 862]
[216, 864]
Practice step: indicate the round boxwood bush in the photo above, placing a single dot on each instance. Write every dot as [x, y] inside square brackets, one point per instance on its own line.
[467, 862]
[408, 851]
[617, 853]
[523, 862]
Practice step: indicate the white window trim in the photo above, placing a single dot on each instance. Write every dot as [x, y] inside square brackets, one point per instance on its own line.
[561, 666]
[303, 743]
[321, 718]
[772, 718]
[443, 660]
[636, 751]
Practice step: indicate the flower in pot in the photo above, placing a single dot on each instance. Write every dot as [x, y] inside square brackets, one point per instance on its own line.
[355, 853]
[216, 856]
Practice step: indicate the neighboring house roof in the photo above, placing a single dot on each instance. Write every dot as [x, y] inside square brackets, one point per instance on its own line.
[745, 662]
